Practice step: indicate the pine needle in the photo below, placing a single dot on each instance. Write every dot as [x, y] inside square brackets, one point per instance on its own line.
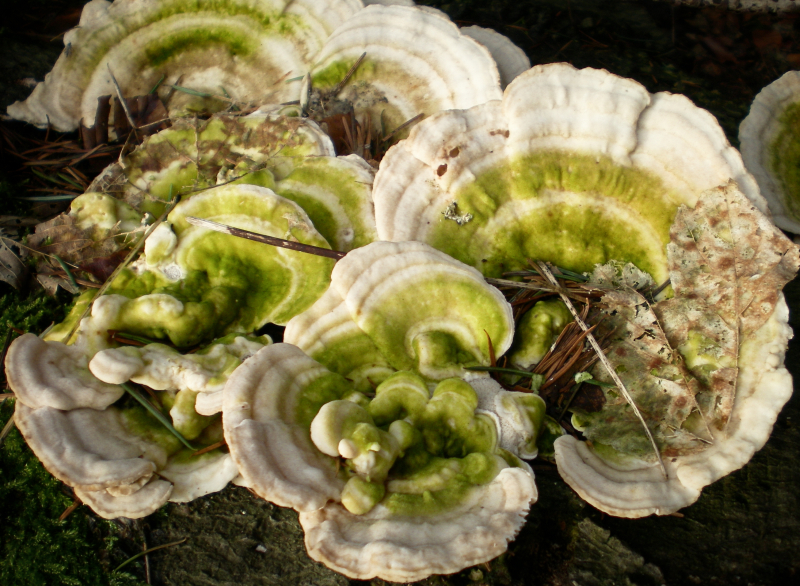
[7, 429]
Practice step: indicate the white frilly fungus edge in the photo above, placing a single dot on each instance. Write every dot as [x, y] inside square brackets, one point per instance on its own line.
[65, 415]
[405, 549]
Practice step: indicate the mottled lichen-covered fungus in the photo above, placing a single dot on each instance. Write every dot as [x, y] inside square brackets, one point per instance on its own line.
[770, 141]
[576, 167]
[408, 484]
[705, 366]
[291, 156]
[403, 306]
[417, 62]
[253, 51]
[119, 459]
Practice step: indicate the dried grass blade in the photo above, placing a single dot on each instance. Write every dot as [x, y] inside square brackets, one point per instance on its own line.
[157, 414]
[145, 552]
[348, 75]
[492, 356]
[7, 429]
[123, 103]
[69, 510]
[210, 448]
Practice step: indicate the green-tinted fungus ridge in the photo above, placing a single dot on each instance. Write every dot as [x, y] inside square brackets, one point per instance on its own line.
[578, 210]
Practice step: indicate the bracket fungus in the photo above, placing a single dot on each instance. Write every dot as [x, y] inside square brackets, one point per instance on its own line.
[579, 168]
[118, 457]
[770, 142]
[291, 156]
[706, 366]
[576, 167]
[239, 50]
[416, 62]
[365, 322]
[405, 485]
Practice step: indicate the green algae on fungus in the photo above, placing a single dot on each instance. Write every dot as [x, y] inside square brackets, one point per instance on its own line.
[770, 142]
[575, 167]
[432, 461]
[404, 306]
[119, 458]
[211, 283]
[95, 227]
[537, 330]
[247, 48]
[197, 378]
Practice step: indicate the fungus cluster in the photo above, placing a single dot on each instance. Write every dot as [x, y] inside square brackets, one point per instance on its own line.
[375, 418]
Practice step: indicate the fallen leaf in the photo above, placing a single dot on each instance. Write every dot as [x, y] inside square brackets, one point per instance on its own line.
[12, 270]
[679, 358]
[655, 377]
[728, 265]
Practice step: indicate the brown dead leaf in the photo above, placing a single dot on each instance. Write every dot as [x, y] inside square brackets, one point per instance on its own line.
[62, 237]
[728, 264]
[709, 347]
[730, 255]
[12, 270]
[51, 284]
[679, 359]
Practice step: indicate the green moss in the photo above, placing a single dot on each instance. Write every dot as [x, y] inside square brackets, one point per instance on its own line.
[785, 157]
[36, 548]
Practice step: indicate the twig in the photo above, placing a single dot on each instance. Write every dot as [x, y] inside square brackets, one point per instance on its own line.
[124, 104]
[338, 87]
[280, 242]
[545, 271]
